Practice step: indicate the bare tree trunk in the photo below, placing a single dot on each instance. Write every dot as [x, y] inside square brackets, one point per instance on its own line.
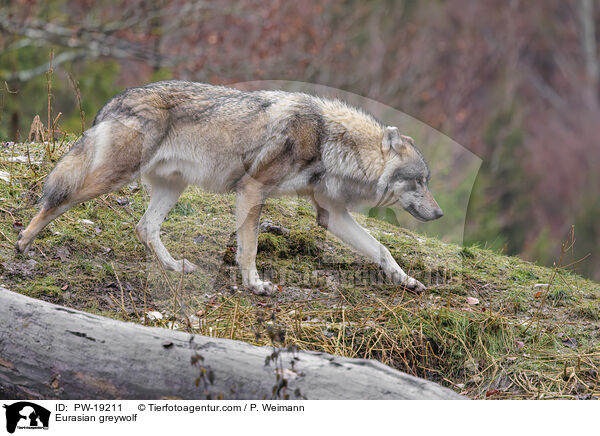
[49, 351]
[14, 126]
[588, 45]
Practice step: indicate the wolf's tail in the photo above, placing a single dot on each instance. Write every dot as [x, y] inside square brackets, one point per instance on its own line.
[68, 175]
[100, 161]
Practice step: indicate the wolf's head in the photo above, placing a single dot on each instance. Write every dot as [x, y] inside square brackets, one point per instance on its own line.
[405, 178]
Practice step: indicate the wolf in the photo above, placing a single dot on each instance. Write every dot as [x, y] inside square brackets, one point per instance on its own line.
[256, 144]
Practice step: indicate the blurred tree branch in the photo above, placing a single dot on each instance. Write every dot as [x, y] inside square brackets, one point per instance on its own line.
[25, 75]
[82, 43]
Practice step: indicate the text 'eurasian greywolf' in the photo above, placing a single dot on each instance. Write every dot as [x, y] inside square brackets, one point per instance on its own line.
[257, 144]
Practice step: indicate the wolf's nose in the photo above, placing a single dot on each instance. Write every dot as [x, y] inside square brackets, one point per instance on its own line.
[439, 213]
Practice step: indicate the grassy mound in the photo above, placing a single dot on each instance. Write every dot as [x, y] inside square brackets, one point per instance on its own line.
[489, 326]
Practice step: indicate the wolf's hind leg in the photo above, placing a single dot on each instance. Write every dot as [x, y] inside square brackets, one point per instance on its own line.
[249, 203]
[44, 217]
[336, 218]
[164, 195]
[100, 181]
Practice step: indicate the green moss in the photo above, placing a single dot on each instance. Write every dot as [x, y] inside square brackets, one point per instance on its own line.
[303, 243]
[466, 253]
[273, 245]
[590, 311]
[523, 275]
[183, 208]
[516, 300]
[45, 287]
[560, 295]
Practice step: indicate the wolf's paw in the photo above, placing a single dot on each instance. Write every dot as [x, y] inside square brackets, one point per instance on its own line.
[21, 245]
[178, 265]
[400, 278]
[413, 285]
[261, 287]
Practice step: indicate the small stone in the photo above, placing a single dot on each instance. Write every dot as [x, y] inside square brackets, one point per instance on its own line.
[269, 227]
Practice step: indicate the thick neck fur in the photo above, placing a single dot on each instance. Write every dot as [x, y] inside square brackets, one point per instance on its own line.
[352, 150]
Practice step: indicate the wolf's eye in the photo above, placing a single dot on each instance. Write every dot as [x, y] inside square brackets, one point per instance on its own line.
[411, 184]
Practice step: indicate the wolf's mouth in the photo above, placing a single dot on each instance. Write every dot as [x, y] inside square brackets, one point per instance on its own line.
[411, 209]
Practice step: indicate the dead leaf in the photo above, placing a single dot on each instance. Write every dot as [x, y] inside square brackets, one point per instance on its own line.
[55, 384]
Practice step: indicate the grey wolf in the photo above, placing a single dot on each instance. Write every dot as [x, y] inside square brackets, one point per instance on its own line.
[257, 144]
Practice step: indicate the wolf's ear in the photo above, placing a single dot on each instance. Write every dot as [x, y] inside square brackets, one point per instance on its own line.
[391, 139]
[407, 140]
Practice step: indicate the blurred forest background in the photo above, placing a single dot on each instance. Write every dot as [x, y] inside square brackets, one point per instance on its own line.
[515, 82]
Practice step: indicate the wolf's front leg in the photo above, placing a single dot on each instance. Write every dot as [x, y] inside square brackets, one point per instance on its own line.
[336, 218]
[249, 203]
[164, 195]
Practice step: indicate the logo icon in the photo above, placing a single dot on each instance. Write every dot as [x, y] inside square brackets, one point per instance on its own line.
[26, 415]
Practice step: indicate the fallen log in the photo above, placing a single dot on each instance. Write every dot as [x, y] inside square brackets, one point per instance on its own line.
[53, 352]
